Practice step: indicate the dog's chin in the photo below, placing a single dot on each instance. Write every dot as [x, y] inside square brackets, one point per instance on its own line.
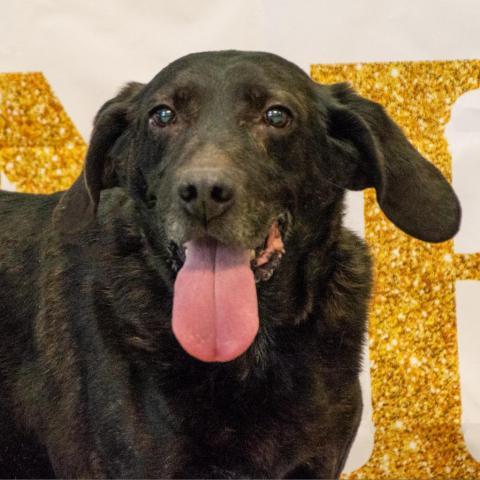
[266, 251]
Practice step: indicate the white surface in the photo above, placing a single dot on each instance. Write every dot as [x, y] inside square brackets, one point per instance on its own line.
[88, 49]
[463, 135]
[6, 184]
[468, 325]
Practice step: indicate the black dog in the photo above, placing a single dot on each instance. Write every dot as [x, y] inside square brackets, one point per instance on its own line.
[192, 305]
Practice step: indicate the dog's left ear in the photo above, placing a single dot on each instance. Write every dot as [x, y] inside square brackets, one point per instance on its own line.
[370, 150]
[78, 205]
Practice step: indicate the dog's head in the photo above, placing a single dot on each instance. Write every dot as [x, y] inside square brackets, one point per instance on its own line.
[231, 154]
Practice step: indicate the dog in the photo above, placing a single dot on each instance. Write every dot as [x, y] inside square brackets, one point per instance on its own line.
[192, 307]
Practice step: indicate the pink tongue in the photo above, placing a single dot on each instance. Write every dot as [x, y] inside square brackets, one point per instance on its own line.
[215, 310]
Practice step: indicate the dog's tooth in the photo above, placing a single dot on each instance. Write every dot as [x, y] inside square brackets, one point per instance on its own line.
[268, 274]
[252, 254]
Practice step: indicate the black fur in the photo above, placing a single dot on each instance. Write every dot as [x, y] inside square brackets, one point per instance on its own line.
[93, 382]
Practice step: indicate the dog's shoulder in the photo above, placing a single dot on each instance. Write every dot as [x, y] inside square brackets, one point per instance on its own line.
[25, 212]
[24, 223]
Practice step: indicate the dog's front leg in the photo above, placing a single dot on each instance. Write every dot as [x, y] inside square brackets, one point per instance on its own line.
[107, 434]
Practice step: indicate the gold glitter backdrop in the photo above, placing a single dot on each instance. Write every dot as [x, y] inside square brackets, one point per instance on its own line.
[413, 343]
[413, 338]
[40, 149]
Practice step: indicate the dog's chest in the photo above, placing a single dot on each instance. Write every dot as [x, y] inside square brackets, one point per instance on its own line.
[244, 426]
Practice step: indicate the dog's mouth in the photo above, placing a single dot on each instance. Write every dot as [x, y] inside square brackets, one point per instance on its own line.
[264, 259]
[215, 309]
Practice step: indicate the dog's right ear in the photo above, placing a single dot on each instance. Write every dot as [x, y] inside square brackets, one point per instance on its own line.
[78, 205]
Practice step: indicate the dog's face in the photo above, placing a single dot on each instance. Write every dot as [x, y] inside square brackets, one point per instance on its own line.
[225, 145]
[227, 154]
[243, 150]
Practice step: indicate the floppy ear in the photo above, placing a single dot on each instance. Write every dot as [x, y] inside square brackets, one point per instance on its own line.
[78, 205]
[371, 151]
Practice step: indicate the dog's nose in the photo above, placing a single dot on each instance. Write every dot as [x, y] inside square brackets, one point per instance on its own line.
[206, 193]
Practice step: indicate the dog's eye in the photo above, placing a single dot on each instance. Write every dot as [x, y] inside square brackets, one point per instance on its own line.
[163, 116]
[278, 116]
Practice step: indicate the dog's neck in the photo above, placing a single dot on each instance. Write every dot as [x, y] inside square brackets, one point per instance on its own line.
[303, 273]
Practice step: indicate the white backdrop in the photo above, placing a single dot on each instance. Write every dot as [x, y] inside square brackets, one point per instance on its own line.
[88, 49]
